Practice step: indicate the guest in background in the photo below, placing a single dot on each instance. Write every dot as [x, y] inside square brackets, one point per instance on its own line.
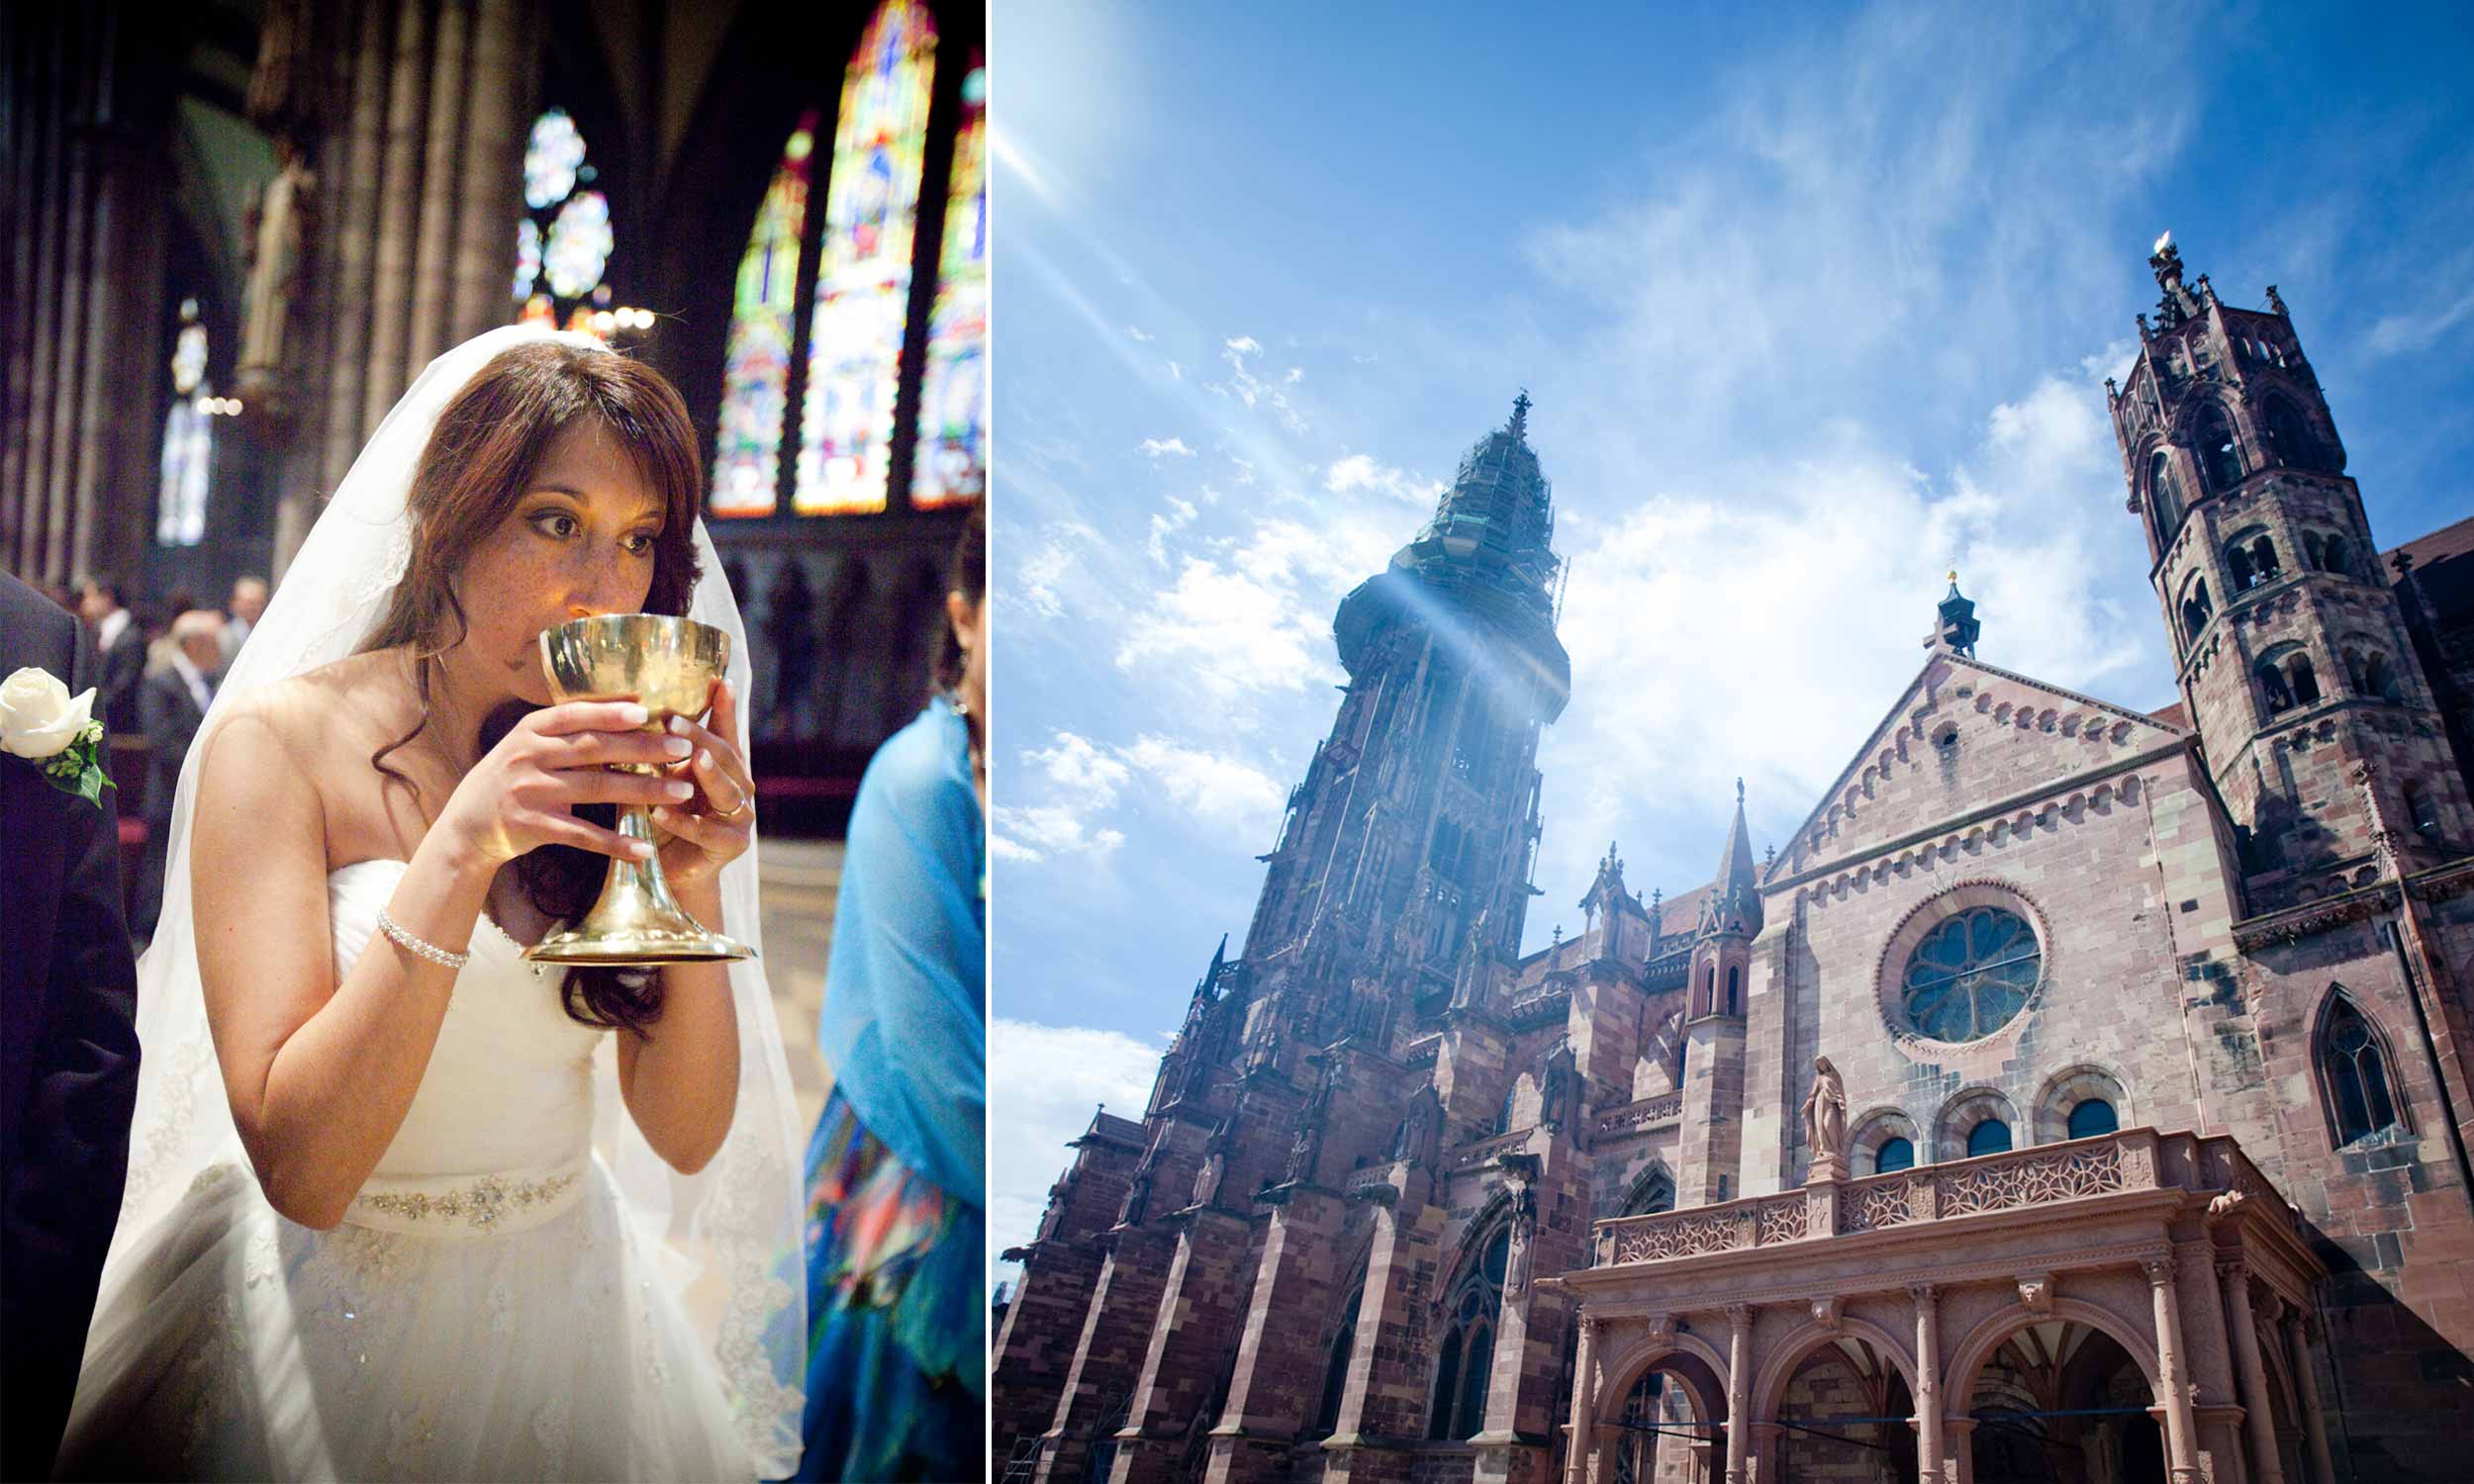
[172, 704]
[161, 647]
[68, 996]
[121, 644]
[897, 1260]
[248, 601]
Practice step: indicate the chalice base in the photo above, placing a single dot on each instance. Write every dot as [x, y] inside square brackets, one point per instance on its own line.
[637, 923]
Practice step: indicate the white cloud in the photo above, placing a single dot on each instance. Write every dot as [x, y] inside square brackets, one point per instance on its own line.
[1169, 447]
[2418, 329]
[1360, 471]
[1091, 778]
[1176, 371]
[1057, 570]
[1257, 617]
[1035, 832]
[1295, 375]
[1252, 390]
[1049, 1080]
[1137, 334]
[1181, 514]
[1213, 786]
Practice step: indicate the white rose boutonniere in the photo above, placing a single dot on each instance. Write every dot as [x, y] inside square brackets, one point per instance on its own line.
[56, 732]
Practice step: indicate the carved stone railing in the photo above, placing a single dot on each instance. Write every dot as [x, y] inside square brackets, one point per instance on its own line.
[1539, 1010]
[1422, 1052]
[2131, 1160]
[1648, 1112]
[1470, 1155]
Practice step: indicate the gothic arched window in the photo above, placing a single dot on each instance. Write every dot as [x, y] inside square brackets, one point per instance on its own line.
[1991, 1137]
[2162, 498]
[1336, 1368]
[2220, 457]
[188, 438]
[950, 464]
[1734, 980]
[2196, 609]
[2092, 1116]
[756, 368]
[1895, 1153]
[564, 241]
[1471, 1313]
[2357, 1073]
[1511, 1100]
[1652, 1191]
[2379, 678]
[2290, 438]
[2306, 683]
[863, 270]
[2336, 557]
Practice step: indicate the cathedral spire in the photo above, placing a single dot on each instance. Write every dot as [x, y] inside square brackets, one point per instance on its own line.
[1520, 416]
[1735, 900]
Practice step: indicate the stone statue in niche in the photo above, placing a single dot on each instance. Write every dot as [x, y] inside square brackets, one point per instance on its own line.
[1138, 1197]
[1419, 1137]
[1559, 1087]
[1306, 1151]
[1524, 1228]
[278, 243]
[1214, 1164]
[1825, 1122]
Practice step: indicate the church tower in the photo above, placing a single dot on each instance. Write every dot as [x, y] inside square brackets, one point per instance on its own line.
[2295, 665]
[1403, 863]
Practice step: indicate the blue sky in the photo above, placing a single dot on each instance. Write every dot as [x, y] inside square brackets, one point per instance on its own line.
[1815, 305]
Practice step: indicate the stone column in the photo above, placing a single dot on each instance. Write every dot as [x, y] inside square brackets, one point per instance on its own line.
[2307, 1384]
[1963, 1450]
[2307, 1388]
[2181, 1428]
[1740, 1392]
[1928, 1383]
[1584, 1402]
[2265, 1465]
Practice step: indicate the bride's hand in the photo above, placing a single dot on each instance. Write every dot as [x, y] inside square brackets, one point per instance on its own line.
[522, 795]
[715, 828]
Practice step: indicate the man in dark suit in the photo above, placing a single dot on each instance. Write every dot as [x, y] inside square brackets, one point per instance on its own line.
[68, 1058]
[172, 703]
[121, 642]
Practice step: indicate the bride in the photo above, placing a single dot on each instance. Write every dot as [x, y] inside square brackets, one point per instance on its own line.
[415, 1209]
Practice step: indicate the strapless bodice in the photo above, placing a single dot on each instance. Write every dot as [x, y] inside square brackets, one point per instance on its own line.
[499, 1133]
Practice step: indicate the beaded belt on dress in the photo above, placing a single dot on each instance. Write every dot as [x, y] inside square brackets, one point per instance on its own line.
[468, 1204]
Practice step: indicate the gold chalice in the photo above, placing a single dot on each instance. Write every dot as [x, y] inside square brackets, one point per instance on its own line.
[667, 666]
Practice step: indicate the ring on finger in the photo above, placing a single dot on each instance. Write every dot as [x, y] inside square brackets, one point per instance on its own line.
[738, 810]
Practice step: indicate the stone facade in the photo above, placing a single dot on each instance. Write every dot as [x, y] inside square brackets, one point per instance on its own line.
[2146, 1037]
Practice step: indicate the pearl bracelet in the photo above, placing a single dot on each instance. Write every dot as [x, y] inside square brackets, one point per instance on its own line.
[416, 945]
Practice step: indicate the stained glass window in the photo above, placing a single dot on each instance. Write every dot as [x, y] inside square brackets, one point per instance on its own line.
[863, 273]
[564, 241]
[1970, 975]
[756, 369]
[188, 438]
[950, 464]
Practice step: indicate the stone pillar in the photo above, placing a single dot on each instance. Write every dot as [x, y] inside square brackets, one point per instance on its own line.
[1764, 1466]
[1740, 1392]
[1584, 1402]
[1278, 1375]
[1190, 1344]
[1929, 1405]
[2265, 1465]
[1123, 1305]
[2298, 1359]
[1963, 1450]
[2180, 1427]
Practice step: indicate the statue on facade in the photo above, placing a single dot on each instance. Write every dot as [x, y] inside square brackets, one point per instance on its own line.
[278, 247]
[1559, 1087]
[1214, 1164]
[1825, 1121]
[1419, 1137]
[1524, 1229]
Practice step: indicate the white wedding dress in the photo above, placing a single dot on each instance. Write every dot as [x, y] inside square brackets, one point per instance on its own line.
[486, 1310]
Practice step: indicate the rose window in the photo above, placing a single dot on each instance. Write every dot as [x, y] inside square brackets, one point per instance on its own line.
[1967, 976]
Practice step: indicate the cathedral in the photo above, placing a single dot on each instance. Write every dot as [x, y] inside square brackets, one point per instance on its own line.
[2078, 1095]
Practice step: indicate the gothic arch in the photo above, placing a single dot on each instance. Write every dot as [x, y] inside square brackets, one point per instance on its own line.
[1787, 1356]
[1494, 1215]
[2198, 423]
[1967, 1108]
[1877, 1126]
[1694, 1362]
[1967, 1361]
[1646, 1185]
[2383, 1045]
[2066, 1089]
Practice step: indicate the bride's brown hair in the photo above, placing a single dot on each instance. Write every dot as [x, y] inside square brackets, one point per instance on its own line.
[480, 457]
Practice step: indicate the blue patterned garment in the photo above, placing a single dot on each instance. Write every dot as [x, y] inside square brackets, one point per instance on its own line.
[897, 1248]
